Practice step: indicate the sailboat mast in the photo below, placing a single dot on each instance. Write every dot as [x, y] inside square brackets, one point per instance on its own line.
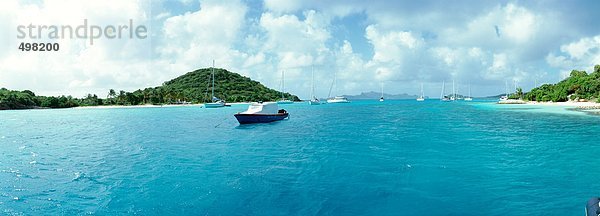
[332, 84]
[453, 92]
[443, 89]
[213, 82]
[506, 87]
[282, 84]
[469, 90]
[422, 96]
[382, 90]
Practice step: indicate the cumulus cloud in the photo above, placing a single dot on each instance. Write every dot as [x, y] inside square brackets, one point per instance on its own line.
[194, 39]
[288, 36]
[581, 55]
[78, 67]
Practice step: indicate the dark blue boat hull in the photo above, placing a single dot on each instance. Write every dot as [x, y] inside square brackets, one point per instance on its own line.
[592, 208]
[260, 118]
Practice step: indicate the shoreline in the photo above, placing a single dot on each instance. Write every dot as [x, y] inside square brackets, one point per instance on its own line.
[582, 105]
[589, 108]
[150, 106]
[570, 104]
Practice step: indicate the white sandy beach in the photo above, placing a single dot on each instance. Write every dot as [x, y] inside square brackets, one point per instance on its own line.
[567, 104]
[569, 107]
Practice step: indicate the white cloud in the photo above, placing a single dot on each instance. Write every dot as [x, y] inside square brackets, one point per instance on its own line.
[287, 33]
[584, 48]
[192, 40]
[390, 46]
[518, 23]
[583, 54]
[295, 45]
[350, 67]
[499, 68]
[78, 68]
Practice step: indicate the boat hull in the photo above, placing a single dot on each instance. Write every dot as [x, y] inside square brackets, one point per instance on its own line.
[213, 105]
[260, 118]
[338, 101]
[593, 207]
[314, 102]
[285, 102]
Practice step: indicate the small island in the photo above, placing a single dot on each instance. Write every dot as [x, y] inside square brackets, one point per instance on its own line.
[578, 92]
[192, 87]
[578, 87]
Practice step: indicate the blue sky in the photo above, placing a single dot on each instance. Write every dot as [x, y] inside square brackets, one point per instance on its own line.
[399, 44]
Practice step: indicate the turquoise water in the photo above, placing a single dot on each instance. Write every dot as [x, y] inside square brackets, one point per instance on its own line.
[363, 158]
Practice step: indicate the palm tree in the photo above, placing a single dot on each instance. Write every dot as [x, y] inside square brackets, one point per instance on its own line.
[145, 96]
[121, 97]
[111, 95]
[519, 93]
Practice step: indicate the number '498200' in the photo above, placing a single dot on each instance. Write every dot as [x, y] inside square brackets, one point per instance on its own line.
[39, 47]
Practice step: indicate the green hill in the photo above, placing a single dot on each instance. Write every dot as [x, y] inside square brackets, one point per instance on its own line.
[195, 86]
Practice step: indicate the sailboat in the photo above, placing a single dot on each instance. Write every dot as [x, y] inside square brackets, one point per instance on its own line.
[381, 98]
[283, 99]
[443, 97]
[469, 98]
[336, 99]
[507, 100]
[505, 97]
[421, 97]
[453, 97]
[313, 99]
[456, 94]
[216, 102]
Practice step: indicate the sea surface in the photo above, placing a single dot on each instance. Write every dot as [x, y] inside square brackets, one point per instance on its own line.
[363, 158]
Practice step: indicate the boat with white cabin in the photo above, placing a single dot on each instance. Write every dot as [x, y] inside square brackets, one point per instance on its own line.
[261, 112]
[469, 98]
[336, 99]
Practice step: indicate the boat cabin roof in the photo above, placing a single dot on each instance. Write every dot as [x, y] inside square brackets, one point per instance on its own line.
[262, 108]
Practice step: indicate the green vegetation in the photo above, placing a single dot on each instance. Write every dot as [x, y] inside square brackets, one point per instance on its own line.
[231, 87]
[579, 85]
[192, 87]
[28, 100]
